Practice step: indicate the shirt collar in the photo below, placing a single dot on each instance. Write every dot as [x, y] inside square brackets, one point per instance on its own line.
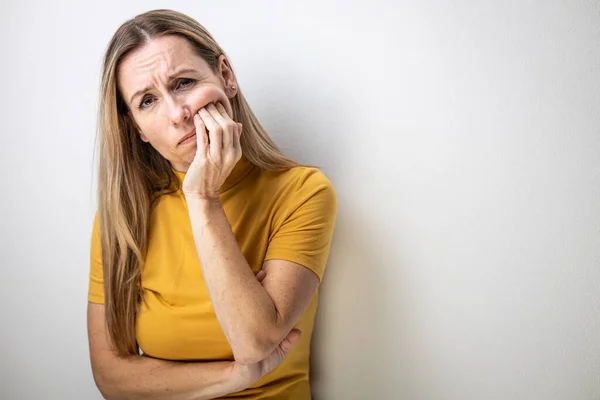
[241, 169]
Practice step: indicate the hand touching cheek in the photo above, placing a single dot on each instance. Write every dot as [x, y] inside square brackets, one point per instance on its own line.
[218, 151]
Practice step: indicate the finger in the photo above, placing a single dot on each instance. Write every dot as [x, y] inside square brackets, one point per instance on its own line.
[237, 137]
[261, 275]
[222, 110]
[201, 136]
[220, 118]
[215, 132]
[291, 339]
[227, 124]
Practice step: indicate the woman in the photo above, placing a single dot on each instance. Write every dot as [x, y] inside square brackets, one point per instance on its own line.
[209, 244]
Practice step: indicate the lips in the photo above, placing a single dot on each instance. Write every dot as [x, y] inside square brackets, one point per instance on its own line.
[189, 135]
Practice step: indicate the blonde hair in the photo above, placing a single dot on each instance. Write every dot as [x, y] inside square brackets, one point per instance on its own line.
[133, 175]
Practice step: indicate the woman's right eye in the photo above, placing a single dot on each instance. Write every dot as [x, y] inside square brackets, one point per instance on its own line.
[143, 104]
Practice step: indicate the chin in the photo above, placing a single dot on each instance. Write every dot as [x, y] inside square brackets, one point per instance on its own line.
[190, 156]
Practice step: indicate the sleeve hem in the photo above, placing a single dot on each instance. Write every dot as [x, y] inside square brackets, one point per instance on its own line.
[306, 262]
[94, 298]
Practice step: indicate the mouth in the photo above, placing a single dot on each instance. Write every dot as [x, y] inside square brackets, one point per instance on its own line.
[190, 137]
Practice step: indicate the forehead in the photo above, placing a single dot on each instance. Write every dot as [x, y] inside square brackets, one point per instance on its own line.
[156, 59]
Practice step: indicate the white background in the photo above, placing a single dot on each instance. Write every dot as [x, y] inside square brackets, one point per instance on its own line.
[462, 137]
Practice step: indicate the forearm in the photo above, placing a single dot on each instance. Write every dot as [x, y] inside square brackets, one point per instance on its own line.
[243, 307]
[142, 377]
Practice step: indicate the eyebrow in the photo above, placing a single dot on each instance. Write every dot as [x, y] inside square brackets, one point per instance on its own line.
[171, 77]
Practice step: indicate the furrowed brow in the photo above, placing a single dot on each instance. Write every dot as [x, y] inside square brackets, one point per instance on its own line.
[171, 77]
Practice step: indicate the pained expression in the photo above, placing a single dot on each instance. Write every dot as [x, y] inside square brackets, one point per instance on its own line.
[178, 84]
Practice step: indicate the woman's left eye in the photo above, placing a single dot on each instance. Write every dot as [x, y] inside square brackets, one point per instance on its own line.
[189, 81]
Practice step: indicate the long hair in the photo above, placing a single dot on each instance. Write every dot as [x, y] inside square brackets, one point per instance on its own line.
[133, 175]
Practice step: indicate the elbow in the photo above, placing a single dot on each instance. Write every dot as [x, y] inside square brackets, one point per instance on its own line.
[250, 355]
[102, 386]
[105, 385]
[254, 350]
[259, 342]
[109, 393]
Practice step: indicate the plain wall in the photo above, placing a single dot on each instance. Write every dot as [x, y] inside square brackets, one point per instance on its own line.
[462, 137]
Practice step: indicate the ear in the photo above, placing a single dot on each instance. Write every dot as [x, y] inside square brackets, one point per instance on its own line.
[227, 77]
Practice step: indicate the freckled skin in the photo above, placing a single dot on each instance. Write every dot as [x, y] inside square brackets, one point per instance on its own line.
[169, 106]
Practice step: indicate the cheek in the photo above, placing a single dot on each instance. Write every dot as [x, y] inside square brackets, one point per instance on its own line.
[150, 129]
[211, 95]
[153, 132]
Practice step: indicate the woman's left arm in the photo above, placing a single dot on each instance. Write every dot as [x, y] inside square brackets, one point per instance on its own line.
[254, 316]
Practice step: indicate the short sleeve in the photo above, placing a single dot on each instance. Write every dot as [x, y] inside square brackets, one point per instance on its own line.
[309, 215]
[96, 284]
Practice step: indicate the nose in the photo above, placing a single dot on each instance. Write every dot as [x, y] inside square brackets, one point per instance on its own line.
[178, 110]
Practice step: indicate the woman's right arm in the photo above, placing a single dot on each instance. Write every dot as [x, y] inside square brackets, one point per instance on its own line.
[140, 377]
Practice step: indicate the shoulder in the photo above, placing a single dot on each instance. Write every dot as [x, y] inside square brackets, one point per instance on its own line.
[300, 179]
[299, 188]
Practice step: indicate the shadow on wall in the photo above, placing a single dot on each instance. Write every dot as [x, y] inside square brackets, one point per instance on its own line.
[364, 345]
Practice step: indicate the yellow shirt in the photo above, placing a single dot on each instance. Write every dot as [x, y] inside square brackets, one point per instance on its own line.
[287, 215]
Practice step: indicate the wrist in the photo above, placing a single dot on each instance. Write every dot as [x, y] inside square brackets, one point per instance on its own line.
[204, 204]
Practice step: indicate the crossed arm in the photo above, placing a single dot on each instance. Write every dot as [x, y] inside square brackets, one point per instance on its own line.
[255, 316]
[252, 321]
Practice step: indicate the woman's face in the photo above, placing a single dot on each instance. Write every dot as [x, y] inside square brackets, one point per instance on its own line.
[164, 84]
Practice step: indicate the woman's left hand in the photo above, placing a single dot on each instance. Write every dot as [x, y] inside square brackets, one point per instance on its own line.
[217, 152]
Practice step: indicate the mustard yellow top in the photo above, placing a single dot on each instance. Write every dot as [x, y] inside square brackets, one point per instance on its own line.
[287, 215]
